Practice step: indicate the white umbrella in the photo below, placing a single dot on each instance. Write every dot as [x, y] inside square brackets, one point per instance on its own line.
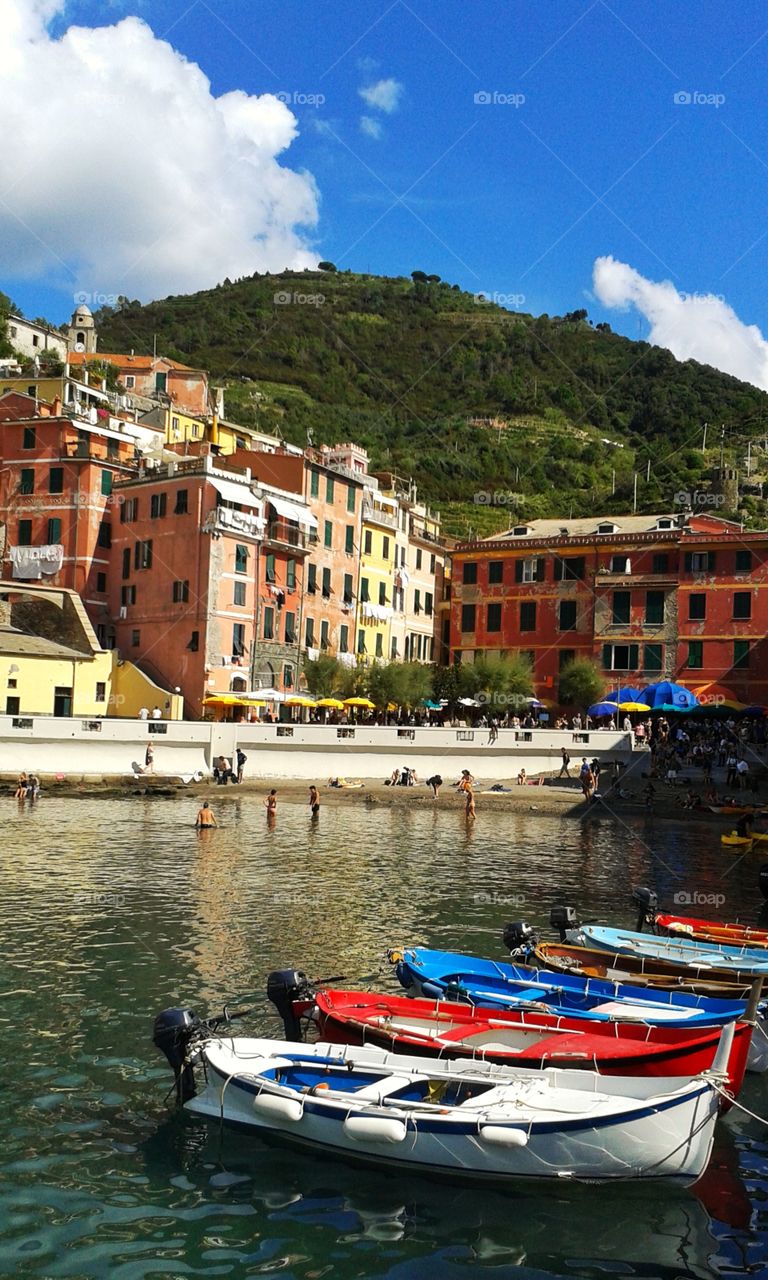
[269, 695]
[468, 702]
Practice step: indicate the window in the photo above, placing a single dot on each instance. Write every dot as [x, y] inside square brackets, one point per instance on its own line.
[393, 649]
[385, 548]
[101, 583]
[350, 498]
[157, 506]
[101, 691]
[470, 573]
[348, 595]
[417, 601]
[620, 608]
[528, 615]
[743, 560]
[740, 654]
[181, 592]
[327, 584]
[290, 575]
[493, 622]
[290, 628]
[343, 638]
[104, 538]
[182, 500]
[382, 593]
[742, 605]
[364, 596]
[194, 642]
[654, 608]
[161, 381]
[379, 645]
[288, 676]
[106, 483]
[361, 641]
[314, 483]
[567, 615]
[329, 488]
[130, 381]
[428, 603]
[311, 579]
[328, 538]
[129, 509]
[699, 562]
[660, 563]
[269, 623]
[565, 656]
[495, 571]
[238, 640]
[27, 480]
[135, 639]
[432, 563]
[127, 562]
[175, 423]
[29, 440]
[572, 568]
[54, 533]
[606, 527]
[127, 595]
[695, 654]
[697, 606]
[531, 570]
[620, 657]
[25, 533]
[368, 542]
[239, 594]
[620, 564]
[324, 634]
[349, 539]
[653, 657]
[418, 557]
[142, 555]
[309, 633]
[270, 565]
[241, 560]
[467, 617]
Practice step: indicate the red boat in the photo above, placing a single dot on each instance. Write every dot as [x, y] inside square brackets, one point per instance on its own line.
[518, 1037]
[711, 930]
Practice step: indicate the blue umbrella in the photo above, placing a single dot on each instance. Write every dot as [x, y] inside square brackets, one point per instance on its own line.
[627, 693]
[602, 708]
[667, 694]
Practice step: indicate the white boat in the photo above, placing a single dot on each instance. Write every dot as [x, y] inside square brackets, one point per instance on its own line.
[478, 1120]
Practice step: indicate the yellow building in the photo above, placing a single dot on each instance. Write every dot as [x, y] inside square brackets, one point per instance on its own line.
[375, 596]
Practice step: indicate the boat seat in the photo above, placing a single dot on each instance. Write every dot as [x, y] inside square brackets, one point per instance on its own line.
[381, 1089]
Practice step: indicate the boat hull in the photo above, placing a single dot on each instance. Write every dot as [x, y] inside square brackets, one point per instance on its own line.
[713, 959]
[711, 930]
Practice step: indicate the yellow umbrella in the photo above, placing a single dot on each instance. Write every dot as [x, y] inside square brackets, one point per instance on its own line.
[332, 703]
[299, 701]
[231, 700]
[391, 706]
[634, 706]
[359, 702]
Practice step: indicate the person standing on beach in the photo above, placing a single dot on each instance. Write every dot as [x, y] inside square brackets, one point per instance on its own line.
[149, 759]
[241, 758]
[205, 817]
[565, 764]
[314, 801]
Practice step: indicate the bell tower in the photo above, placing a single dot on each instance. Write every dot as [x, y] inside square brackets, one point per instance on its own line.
[81, 334]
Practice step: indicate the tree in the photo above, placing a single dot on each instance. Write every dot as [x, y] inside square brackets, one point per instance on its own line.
[419, 277]
[581, 683]
[327, 266]
[323, 675]
[503, 681]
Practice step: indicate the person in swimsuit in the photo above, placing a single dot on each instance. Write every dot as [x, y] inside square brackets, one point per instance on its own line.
[270, 804]
[314, 800]
[205, 817]
[470, 805]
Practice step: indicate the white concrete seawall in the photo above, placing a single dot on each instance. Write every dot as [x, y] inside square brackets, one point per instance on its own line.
[112, 748]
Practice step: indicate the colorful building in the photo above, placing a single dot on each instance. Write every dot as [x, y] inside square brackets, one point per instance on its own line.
[377, 581]
[153, 377]
[419, 572]
[681, 597]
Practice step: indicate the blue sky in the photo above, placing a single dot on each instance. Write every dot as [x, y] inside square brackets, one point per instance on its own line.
[592, 156]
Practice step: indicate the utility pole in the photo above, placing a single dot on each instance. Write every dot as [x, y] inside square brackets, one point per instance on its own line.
[704, 438]
[634, 496]
[648, 472]
[722, 449]
[613, 481]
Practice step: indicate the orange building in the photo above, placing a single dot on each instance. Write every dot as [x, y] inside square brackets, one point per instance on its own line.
[153, 377]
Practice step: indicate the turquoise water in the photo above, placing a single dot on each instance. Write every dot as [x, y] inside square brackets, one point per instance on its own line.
[113, 910]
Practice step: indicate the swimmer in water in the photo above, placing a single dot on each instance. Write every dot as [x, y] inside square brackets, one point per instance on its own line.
[205, 817]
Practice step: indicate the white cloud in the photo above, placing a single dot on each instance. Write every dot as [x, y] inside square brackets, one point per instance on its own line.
[371, 127]
[124, 174]
[693, 326]
[384, 95]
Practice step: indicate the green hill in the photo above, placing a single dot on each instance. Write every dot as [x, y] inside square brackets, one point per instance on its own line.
[497, 415]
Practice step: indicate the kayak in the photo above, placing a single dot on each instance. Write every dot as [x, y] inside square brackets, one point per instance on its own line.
[520, 1037]
[683, 951]
[441, 975]
[739, 842]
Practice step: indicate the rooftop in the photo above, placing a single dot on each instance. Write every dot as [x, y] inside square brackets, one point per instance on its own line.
[18, 643]
[139, 364]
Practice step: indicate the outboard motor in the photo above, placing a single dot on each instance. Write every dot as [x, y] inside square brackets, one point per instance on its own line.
[286, 988]
[647, 901]
[563, 919]
[519, 939]
[172, 1033]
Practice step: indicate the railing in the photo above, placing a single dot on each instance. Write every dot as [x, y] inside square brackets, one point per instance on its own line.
[379, 516]
[279, 531]
[226, 520]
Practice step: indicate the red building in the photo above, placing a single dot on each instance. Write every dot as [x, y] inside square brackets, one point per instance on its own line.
[646, 597]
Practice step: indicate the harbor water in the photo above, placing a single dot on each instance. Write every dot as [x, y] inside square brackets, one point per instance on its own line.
[115, 909]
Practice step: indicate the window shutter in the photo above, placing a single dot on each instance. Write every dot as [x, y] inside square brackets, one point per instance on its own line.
[607, 655]
[634, 657]
[540, 568]
[518, 571]
[711, 561]
[688, 561]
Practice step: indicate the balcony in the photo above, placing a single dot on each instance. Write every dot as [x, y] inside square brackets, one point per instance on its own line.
[379, 515]
[227, 520]
[286, 535]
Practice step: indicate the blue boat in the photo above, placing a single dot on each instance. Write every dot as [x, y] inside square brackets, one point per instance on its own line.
[687, 952]
[447, 975]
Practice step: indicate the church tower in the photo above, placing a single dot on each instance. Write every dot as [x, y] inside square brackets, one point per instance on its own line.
[81, 334]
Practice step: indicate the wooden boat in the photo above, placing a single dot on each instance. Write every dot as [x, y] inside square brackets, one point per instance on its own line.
[711, 930]
[620, 966]
[439, 975]
[476, 1120]
[516, 1037]
[725, 810]
[703, 957]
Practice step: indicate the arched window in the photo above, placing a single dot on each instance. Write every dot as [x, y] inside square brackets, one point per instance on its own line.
[239, 684]
[81, 336]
